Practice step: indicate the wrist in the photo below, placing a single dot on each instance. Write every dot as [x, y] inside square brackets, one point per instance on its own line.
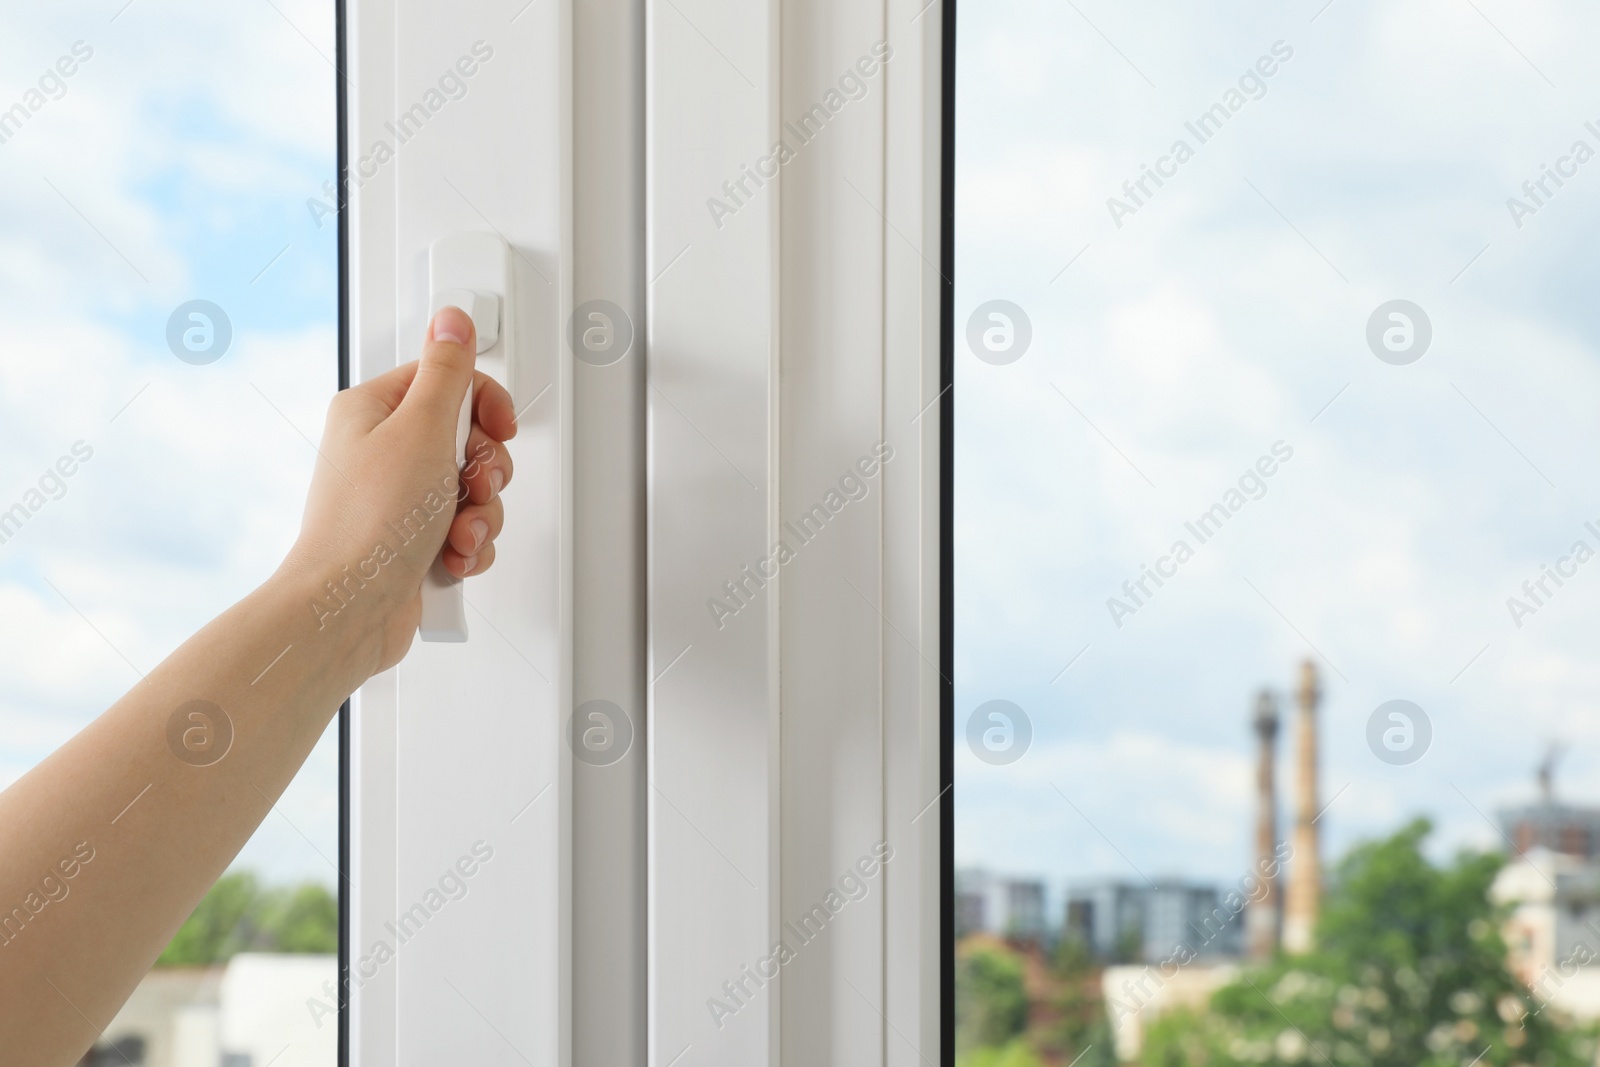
[340, 619]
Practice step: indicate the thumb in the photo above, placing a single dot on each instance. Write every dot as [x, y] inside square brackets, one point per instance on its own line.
[445, 371]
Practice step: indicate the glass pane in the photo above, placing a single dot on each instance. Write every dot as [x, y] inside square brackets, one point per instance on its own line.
[1277, 365]
[169, 300]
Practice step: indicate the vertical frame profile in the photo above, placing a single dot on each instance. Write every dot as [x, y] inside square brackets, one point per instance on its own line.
[544, 960]
[947, 555]
[795, 217]
[605, 333]
[459, 121]
[341, 163]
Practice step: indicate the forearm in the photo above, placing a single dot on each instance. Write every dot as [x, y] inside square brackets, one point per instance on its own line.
[162, 800]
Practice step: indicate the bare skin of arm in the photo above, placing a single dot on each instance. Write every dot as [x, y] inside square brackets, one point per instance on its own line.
[109, 844]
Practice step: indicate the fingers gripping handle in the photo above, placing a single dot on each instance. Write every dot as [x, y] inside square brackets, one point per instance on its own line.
[472, 272]
[444, 602]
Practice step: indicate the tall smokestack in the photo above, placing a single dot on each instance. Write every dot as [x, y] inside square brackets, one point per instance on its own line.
[1261, 916]
[1305, 866]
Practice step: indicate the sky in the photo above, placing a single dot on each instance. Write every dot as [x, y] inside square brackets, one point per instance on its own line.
[1177, 343]
[1227, 313]
[173, 165]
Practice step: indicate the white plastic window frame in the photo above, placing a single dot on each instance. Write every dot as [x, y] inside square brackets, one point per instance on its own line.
[659, 903]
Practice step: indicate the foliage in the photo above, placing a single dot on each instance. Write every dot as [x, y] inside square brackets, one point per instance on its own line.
[1074, 956]
[1409, 972]
[1013, 1054]
[1129, 946]
[1083, 1034]
[1017, 1006]
[991, 997]
[239, 915]
[305, 920]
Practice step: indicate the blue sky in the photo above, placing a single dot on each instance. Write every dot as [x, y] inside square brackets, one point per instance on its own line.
[1222, 317]
[175, 166]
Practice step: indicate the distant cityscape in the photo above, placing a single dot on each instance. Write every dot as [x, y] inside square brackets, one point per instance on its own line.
[1117, 920]
[1549, 889]
[1121, 920]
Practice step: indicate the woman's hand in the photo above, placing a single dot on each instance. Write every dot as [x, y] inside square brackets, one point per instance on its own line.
[386, 499]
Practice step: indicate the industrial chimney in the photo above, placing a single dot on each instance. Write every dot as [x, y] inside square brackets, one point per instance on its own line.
[1305, 865]
[1261, 916]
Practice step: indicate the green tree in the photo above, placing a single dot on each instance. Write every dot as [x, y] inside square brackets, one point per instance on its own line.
[1083, 1035]
[1409, 972]
[991, 997]
[239, 915]
[305, 920]
[223, 924]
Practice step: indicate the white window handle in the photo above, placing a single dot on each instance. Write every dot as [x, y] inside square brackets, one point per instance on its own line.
[471, 271]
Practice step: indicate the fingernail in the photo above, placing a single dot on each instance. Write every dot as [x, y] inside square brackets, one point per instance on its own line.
[480, 530]
[497, 479]
[452, 324]
[470, 562]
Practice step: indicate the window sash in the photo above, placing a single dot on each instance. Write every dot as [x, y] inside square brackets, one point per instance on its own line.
[772, 356]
